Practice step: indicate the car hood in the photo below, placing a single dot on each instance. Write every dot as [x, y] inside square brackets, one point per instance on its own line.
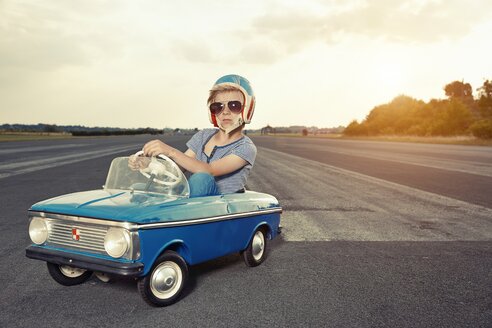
[140, 207]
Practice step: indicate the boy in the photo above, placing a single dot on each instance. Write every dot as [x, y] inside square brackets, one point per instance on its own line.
[220, 158]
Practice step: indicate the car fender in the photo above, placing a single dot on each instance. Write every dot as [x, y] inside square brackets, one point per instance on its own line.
[177, 245]
[260, 225]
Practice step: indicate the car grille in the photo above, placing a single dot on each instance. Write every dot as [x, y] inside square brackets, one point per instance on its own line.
[80, 236]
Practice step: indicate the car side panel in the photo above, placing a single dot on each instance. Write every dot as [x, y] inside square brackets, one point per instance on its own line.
[205, 241]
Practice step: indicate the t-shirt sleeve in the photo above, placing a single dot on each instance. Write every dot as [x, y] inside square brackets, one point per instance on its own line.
[246, 151]
[195, 142]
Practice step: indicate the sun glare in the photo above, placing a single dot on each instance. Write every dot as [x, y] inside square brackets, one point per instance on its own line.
[390, 75]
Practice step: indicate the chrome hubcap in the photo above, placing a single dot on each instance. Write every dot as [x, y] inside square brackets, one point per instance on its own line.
[258, 245]
[71, 272]
[166, 280]
[104, 277]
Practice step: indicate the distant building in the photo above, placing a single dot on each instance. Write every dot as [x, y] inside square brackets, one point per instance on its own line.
[267, 130]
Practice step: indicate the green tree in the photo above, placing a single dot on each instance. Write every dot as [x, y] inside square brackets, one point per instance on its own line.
[484, 102]
[482, 129]
[459, 114]
[450, 117]
[355, 129]
[51, 128]
[396, 117]
[463, 92]
[457, 118]
[486, 89]
[458, 90]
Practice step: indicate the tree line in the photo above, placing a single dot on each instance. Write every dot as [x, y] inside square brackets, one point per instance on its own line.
[83, 131]
[460, 114]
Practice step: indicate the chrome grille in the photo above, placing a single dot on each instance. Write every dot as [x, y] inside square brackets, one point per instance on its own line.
[90, 237]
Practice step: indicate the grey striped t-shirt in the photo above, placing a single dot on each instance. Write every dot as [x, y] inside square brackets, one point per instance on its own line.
[243, 147]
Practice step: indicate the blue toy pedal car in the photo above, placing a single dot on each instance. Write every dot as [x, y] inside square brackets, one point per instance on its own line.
[143, 224]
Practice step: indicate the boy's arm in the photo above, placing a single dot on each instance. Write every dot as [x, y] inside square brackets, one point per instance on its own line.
[225, 165]
[188, 161]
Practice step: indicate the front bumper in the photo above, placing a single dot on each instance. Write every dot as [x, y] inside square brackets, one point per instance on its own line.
[85, 262]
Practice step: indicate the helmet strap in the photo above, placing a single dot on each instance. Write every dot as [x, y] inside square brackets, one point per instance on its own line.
[233, 126]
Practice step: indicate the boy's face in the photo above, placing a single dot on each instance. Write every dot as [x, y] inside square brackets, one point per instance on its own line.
[227, 118]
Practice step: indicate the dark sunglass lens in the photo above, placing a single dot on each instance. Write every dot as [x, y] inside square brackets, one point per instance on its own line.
[216, 107]
[234, 106]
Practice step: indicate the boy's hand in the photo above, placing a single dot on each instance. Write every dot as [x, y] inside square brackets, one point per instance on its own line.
[157, 147]
[137, 162]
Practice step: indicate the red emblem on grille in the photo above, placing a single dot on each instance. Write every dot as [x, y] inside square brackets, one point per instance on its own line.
[75, 234]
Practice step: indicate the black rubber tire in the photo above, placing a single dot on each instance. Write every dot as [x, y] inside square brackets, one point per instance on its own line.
[62, 279]
[144, 284]
[247, 254]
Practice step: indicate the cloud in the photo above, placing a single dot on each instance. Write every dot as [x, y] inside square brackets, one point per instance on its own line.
[413, 22]
[282, 30]
[45, 36]
[197, 51]
[260, 51]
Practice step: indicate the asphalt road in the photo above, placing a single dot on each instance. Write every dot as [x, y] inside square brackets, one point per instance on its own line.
[460, 172]
[361, 246]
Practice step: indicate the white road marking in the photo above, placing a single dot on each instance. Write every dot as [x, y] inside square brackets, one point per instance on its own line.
[39, 148]
[323, 203]
[476, 167]
[21, 167]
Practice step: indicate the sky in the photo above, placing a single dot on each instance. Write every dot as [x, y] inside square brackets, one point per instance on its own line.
[151, 63]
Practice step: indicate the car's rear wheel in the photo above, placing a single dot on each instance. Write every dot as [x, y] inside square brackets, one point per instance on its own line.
[66, 275]
[255, 254]
[164, 284]
[103, 277]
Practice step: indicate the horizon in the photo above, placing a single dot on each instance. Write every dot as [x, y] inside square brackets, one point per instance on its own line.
[165, 128]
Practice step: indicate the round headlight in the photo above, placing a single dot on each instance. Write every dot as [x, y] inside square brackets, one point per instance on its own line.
[38, 231]
[116, 242]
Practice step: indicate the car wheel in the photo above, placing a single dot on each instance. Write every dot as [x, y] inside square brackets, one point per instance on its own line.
[103, 277]
[66, 275]
[165, 282]
[256, 252]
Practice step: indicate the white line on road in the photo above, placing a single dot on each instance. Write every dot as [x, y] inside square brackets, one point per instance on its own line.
[324, 203]
[45, 163]
[38, 148]
[483, 167]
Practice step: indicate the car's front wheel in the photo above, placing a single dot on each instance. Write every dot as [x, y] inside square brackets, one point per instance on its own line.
[165, 282]
[66, 275]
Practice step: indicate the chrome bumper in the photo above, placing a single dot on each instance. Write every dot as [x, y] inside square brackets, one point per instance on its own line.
[85, 262]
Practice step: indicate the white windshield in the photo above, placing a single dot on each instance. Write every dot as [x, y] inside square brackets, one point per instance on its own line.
[155, 176]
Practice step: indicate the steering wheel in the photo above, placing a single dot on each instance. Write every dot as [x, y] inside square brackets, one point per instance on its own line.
[156, 169]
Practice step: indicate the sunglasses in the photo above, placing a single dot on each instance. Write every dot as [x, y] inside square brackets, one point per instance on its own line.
[235, 107]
